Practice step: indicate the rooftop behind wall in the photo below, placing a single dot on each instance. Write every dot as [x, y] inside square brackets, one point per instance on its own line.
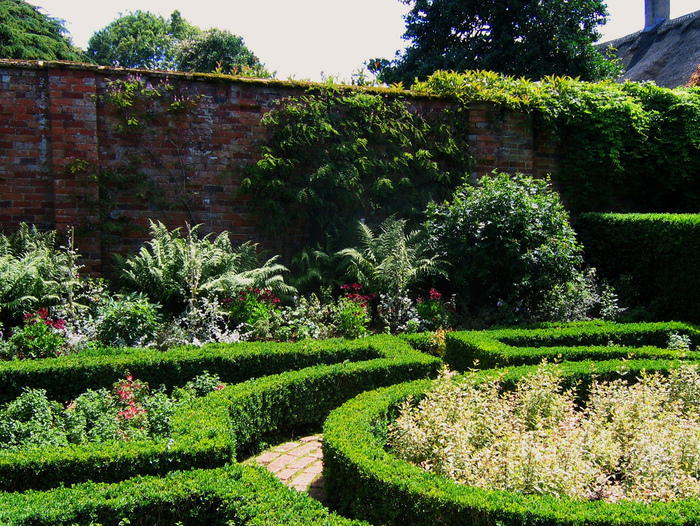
[63, 158]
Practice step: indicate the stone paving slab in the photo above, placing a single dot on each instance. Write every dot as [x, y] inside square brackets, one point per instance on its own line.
[298, 464]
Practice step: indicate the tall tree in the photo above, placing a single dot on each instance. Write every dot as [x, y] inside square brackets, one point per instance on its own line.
[524, 38]
[145, 40]
[217, 50]
[140, 40]
[28, 34]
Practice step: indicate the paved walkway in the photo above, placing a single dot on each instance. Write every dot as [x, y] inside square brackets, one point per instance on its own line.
[298, 464]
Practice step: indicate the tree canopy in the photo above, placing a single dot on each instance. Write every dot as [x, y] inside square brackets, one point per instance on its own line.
[146, 40]
[216, 50]
[28, 34]
[139, 40]
[522, 38]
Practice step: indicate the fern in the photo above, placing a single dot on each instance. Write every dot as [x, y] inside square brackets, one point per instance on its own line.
[391, 261]
[178, 272]
[33, 272]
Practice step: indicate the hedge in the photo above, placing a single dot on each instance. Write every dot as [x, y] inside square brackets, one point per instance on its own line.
[227, 496]
[652, 259]
[571, 342]
[66, 377]
[211, 430]
[365, 481]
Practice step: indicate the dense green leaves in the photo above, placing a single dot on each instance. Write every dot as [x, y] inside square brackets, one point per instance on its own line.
[28, 34]
[508, 240]
[178, 272]
[336, 157]
[136, 40]
[218, 51]
[522, 38]
[631, 147]
[145, 40]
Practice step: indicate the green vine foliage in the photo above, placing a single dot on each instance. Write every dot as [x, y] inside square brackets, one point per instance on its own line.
[150, 114]
[626, 147]
[335, 157]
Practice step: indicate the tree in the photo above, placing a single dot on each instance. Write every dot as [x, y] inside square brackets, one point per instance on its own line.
[145, 40]
[524, 38]
[217, 50]
[28, 34]
[139, 40]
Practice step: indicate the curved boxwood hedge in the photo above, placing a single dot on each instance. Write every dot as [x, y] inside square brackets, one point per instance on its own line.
[571, 342]
[211, 430]
[227, 496]
[364, 481]
[66, 377]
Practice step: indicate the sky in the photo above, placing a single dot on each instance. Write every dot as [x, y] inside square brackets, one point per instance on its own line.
[305, 39]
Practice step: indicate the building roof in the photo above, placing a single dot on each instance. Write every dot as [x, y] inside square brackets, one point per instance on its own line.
[668, 53]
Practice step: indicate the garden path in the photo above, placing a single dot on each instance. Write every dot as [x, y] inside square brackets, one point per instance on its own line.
[298, 464]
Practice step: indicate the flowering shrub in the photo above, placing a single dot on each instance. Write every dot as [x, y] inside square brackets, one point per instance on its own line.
[129, 411]
[434, 312]
[41, 336]
[352, 315]
[639, 442]
[252, 310]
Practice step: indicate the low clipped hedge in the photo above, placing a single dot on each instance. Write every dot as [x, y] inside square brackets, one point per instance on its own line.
[571, 342]
[210, 431]
[66, 377]
[365, 481]
[225, 496]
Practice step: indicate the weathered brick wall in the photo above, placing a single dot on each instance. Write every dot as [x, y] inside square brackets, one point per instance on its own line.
[62, 156]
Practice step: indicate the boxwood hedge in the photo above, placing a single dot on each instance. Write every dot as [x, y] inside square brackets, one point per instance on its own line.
[571, 342]
[209, 432]
[365, 481]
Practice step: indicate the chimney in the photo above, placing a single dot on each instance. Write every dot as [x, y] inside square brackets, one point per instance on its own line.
[656, 12]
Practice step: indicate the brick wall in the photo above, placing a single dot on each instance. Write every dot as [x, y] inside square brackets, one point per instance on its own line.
[61, 151]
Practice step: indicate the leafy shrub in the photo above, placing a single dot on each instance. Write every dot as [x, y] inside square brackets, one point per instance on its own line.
[41, 337]
[33, 272]
[637, 442]
[508, 239]
[129, 411]
[127, 320]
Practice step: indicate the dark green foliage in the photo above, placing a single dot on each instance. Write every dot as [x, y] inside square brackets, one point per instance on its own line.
[360, 154]
[127, 320]
[508, 240]
[365, 481]
[631, 147]
[145, 40]
[524, 38]
[652, 259]
[28, 34]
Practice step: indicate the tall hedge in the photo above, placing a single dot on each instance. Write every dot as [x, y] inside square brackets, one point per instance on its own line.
[652, 259]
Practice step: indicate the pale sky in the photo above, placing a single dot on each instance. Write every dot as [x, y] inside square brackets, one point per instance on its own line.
[305, 39]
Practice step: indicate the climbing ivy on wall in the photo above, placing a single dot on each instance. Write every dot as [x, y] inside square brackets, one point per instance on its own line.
[335, 157]
[623, 146]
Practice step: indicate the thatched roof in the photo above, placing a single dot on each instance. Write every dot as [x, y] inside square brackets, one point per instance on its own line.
[668, 53]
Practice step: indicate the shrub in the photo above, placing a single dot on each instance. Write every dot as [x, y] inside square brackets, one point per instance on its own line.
[127, 320]
[41, 337]
[508, 239]
[389, 264]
